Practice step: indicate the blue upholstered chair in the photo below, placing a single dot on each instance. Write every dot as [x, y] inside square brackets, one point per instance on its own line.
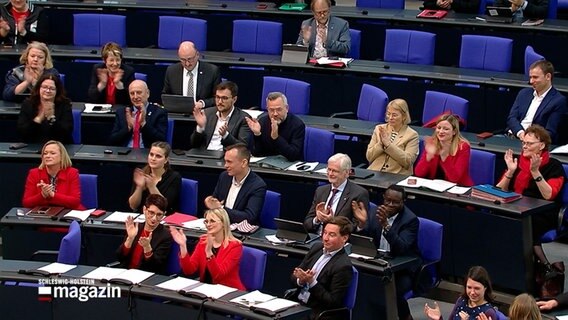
[437, 103]
[384, 4]
[482, 167]
[76, 126]
[297, 92]
[530, 57]
[69, 249]
[255, 36]
[562, 229]
[409, 46]
[318, 144]
[141, 76]
[355, 51]
[170, 131]
[91, 29]
[552, 9]
[500, 315]
[270, 210]
[251, 268]
[62, 78]
[89, 190]
[173, 266]
[486, 53]
[175, 30]
[348, 301]
[372, 105]
[188, 196]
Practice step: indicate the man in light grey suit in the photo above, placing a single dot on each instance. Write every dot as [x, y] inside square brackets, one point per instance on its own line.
[204, 76]
[222, 126]
[325, 34]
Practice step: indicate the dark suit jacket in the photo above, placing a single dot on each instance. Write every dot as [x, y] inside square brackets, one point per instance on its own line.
[351, 192]
[338, 41]
[461, 6]
[549, 113]
[536, 9]
[562, 300]
[121, 96]
[333, 280]
[208, 77]
[250, 199]
[32, 132]
[238, 129]
[161, 243]
[154, 130]
[290, 141]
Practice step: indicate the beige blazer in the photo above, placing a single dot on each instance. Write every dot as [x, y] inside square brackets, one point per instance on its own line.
[400, 155]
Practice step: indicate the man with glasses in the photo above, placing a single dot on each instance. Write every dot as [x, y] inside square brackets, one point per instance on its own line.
[147, 245]
[325, 34]
[337, 198]
[191, 77]
[222, 126]
[278, 131]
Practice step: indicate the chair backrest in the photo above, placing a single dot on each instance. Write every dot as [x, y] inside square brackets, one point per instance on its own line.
[552, 9]
[351, 294]
[482, 167]
[319, 144]
[89, 190]
[436, 103]
[70, 247]
[565, 187]
[76, 126]
[188, 196]
[530, 57]
[270, 209]
[175, 30]
[482, 6]
[62, 78]
[91, 29]
[141, 76]
[252, 267]
[409, 46]
[173, 266]
[372, 104]
[430, 234]
[500, 315]
[255, 36]
[170, 131]
[486, 53]
[355, 51]
[297, 92]
[384, 4]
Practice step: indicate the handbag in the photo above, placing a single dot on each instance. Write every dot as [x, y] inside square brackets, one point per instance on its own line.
[550, 281]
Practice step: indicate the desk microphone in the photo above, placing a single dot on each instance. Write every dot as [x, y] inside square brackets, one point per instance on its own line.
[241, 59]
[199, 161]
[364, 12]
[481, 144]
[336, 125]
[386, 66]
[497, 202]
[94, 51]
[223, 5]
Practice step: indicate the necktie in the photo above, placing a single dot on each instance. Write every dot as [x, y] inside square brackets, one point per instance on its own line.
[319, 50]
[136, 137]
[190, 85]
[304, 294]
[330, 201]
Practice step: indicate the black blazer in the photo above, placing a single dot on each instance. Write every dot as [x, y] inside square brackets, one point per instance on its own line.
[238, 130]
[208, 78]
[31, 132]
[333, 280]
[250, 199]
[154, 130]
[121, 96]
[161, 244]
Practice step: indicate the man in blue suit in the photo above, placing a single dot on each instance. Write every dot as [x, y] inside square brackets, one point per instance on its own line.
[239, 190]
[325, 34]
[141, 124]
[542, 104]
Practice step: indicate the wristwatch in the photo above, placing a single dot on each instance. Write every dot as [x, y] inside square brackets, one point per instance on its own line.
[51, 119]
[538, 179]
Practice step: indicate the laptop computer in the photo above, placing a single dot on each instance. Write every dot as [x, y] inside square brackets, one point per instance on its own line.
[498, 14]
[362, 245]
[178, 104]
[293, 230]
[205, 154]
[293, 53]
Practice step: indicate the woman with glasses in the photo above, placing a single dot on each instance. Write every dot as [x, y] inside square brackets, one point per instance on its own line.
[217, 255]
[55, 182]
[147, 246]
[110, 79]
[446, 154]
[156, 177]
[394, 145]
[47, 114]
[535, 174]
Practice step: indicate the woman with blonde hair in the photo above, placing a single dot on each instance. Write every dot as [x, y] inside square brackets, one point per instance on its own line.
[524, 307]
[446, 154]
[394, 145]
[218, 253]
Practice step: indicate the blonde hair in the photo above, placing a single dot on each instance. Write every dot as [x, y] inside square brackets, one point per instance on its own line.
[111, 48]
[524, 308]
[401, 106]
[223, 217]
[39, 46]
[65, 159]
[456, 139]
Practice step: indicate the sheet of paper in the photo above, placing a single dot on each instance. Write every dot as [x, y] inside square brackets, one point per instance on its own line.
[252, 298]
[256, 159]
[322, 171]
[357, 256]
[459, 190]
[177, 283]
[438, 185]
[57, 268]
[79, 214]
[105, 108]
[254, 113]
[274, 239]
[277, 304]
[303, 166]
[562, 317]
[561, 149]
[119, 216]
[133, 275]
[104, 273]
[411, 182]
[196, 224]
[326, 60]
[214, 291]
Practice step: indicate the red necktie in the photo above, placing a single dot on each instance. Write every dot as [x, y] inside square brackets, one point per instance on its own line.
[136, 137]
[330, 201]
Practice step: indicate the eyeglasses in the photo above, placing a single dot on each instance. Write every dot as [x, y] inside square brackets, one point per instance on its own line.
[393, 115]
[222, 98]
[188, 60]
[152, 214]
[206, 222]
[321, 13]
[391, 202]
[48, 88]
[529, 143]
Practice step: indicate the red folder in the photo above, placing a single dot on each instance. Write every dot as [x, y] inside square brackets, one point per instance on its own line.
[178, 219]
[432, 14]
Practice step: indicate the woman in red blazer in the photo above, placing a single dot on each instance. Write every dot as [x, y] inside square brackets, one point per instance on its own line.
[217, 255]
[54, 182]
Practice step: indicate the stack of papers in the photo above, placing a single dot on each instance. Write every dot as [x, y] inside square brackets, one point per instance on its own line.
[131, 276]
[197, 224]
[253, 298]
[205, 290]
[97, 108]
[178, 283]
[80, 215]
[273, 306]
[328, 61]
[119, 216]
[57, 268]
[436, 185]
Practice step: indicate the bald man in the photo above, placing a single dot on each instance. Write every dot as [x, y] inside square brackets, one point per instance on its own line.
[204, 76]
[142, 123]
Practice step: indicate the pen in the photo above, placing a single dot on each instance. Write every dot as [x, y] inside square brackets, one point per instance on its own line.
[480, 19]
[300, 164]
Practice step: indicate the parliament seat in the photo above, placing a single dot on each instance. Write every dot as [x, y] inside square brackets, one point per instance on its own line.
[437, 103]
[255, 36]
[89, 190]
[318, 145]
[530, 57]
[297, 92]
[252, 268]
[355, 51]
[270, 210]
[174, 30]
[409, 46]
[188, 196]
[90, 29]
[486, 53]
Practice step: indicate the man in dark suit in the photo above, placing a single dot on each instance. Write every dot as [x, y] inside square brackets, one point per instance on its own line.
[205, 76]
[525, 9]
[394, 229]
[325, 34]
[324, 275]
[222, 126]
[542, 104]
[238, 189]
[338, 197]
[141, 124]
[279, 132]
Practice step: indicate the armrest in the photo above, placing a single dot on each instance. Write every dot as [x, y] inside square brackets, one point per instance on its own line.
[290, 294]
[415, 123]
[361, 165]
[419, 282]
[347, 115]
[52, 253]
[562, 218]
[339, 313]
[113, 264]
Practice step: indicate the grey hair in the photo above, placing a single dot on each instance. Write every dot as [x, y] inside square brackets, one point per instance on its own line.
[344, 160]
[275, 95]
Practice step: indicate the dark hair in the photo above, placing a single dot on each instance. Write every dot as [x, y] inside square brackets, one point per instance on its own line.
[396, 188]
[167, 150]
[479, 274]
[60, 95]
[242, 151]
[230, 85]
[345, 226]
[541, 134]
[544, 65]
[158, 200]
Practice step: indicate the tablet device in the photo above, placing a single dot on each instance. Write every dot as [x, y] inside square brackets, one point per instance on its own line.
[178, 104]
